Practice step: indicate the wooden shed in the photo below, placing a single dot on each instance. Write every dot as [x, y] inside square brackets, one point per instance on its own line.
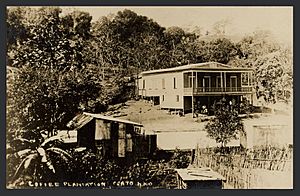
[113, 137]
[199, 178]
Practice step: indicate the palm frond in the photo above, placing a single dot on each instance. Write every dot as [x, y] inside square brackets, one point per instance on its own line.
[50, 165]
[24, 153]
[63, 154]
[51, 139]
[29, 160]
[41, 151]
[24, 165]
[45, 159]
[21, 143]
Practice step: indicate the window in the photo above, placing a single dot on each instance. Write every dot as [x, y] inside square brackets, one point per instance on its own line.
[137, 130]
[163, 84]
[186, 80]
[206, 82]
[144, 84]
[150, 84]
[128, 143]
[233, 83]
[177, 98]
[163, 98]
[192, 81]
[175, 84]
[218, 82]
[245, 79]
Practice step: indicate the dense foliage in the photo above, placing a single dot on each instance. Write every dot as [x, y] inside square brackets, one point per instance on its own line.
[44, 99]
[272, 64]
[40, 160]
[180, 159]
[88, 167]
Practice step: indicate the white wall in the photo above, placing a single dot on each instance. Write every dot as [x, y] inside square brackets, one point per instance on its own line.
[154, 87]
[273, 130]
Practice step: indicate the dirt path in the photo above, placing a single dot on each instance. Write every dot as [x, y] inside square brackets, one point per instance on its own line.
[158, 120]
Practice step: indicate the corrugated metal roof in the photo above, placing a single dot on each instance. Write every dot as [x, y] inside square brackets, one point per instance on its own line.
[79, 121]
[109, 118]
[82, 119]
[198, 66]
[199, 174]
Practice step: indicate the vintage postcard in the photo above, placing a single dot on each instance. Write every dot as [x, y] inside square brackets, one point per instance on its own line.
[149, 97]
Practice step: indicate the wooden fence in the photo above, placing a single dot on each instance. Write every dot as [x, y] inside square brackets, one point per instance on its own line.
[249, 168]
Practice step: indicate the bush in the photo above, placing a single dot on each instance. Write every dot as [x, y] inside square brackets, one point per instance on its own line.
[180, 159]
[226, 124]
[91, 167]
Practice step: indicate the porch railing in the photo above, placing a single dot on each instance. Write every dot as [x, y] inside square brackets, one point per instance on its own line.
[200, 90]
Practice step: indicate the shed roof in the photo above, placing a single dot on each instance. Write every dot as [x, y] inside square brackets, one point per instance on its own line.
[109, 118]
[82, 119]
[199, 174]
[198, 66]
[79, 121]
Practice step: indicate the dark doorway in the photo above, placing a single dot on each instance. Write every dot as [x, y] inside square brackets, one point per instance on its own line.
[114, 136]
[206, 83]
[233, 83]
[156, 100]
[187, 104]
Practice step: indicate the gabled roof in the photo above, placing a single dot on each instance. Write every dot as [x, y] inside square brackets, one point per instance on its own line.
[198, 66]
[82, 119]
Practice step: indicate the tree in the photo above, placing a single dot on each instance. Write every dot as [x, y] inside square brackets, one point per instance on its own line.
[178, 46]
[45, 99]
[16, 29]
[53, 81]
[128, 41]
[52, 40]
[272, 64]
[274, 77]
[221, 50]
[253, 46]
[226, 124]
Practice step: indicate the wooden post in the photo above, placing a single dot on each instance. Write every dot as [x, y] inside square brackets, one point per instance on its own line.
[248, 78]
[196, 80]
[208, 105]
[225, 81]
[121, 140]
[193, 94]
[221, 81]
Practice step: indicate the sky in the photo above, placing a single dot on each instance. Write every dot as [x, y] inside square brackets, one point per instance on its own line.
[242, 19]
